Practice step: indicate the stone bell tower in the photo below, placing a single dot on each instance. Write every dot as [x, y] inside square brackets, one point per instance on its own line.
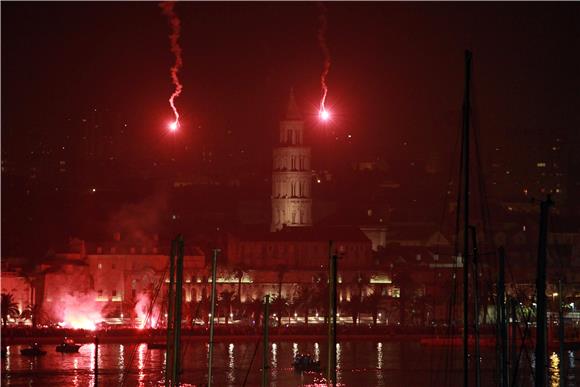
[291, 175]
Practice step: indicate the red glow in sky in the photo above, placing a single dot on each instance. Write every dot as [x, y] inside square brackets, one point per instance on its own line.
[324, 115]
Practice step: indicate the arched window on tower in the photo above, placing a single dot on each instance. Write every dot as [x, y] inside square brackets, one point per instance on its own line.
[293, 217]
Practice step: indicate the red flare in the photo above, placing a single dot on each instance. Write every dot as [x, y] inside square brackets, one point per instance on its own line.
[175, 23]
[324, 115]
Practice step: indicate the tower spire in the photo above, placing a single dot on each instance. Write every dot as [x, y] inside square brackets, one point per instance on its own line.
[293, 113]
[291, 173]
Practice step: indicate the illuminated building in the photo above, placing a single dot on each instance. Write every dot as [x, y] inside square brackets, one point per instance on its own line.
[291, 177]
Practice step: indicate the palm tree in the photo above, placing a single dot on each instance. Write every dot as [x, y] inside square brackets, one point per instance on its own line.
[9, 307]
[255, 308]
[227, 298]
[354, 307]
[239, 275]
[32, 313]
[362, 281]
[372, 304]
[407, 288]
[282, 269]
[320, 294]
[280, 305]
[303, 301]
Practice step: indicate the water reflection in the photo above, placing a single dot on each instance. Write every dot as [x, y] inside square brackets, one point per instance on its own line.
[358, 364]
[316, 352]
[141, 363]
[274, 364]
[380, 381]
[338, 362]
[231, 376]
[92, 348]
[76, 370]
[555, 370]
[8, 356]
[121, 361]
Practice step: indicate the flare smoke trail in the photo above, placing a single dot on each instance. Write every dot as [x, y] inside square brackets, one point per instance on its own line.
[326, 53]
[175, 23]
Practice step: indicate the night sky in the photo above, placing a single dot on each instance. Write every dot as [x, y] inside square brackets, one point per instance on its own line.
[396, 76]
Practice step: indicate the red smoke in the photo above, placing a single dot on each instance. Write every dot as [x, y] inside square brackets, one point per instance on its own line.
[326, 53]
[175, 23]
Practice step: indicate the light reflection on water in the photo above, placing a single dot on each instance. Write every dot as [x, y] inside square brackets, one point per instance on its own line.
[554, 370]
[380, 380]
[76, 375]
[316, 352]
[359, 363]
[338, 363]
[141, 362]
[231, 375]
[274, 365]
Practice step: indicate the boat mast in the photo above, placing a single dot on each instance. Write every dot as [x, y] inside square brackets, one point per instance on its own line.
[476, 307]
[212, 314]
[332, 280]
[266, 345]
[465, 164]
[169, 320]
[562, 367]
[177, 310]
[541, 345]
[502, 321]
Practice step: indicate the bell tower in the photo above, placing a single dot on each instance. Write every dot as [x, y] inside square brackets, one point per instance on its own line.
[291, 175]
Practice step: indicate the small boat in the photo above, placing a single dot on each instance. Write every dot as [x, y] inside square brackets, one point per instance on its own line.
[305, 363]
[34, 350]
[68, 346]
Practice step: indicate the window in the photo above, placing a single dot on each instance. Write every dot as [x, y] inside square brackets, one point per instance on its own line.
[133, 293]
[100, 292]
[100, 266]
[114, 294]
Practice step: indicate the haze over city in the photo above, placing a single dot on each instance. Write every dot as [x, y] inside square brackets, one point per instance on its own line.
[288, 140]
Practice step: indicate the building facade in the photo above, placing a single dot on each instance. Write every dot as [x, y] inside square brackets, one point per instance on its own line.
[291, 177]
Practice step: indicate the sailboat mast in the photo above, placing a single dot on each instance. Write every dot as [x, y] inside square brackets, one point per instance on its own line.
[476, 307]
[502, 321]
[212, 315]
[177, 310]
[169, 343]
[541, 344]
[465, 162]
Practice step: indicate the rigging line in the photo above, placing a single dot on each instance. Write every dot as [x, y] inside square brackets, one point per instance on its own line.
[149, 312]
[251, 362]
[448, 183]
[523, 348]
[444, 210]
[486, 266]
[451, 351]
